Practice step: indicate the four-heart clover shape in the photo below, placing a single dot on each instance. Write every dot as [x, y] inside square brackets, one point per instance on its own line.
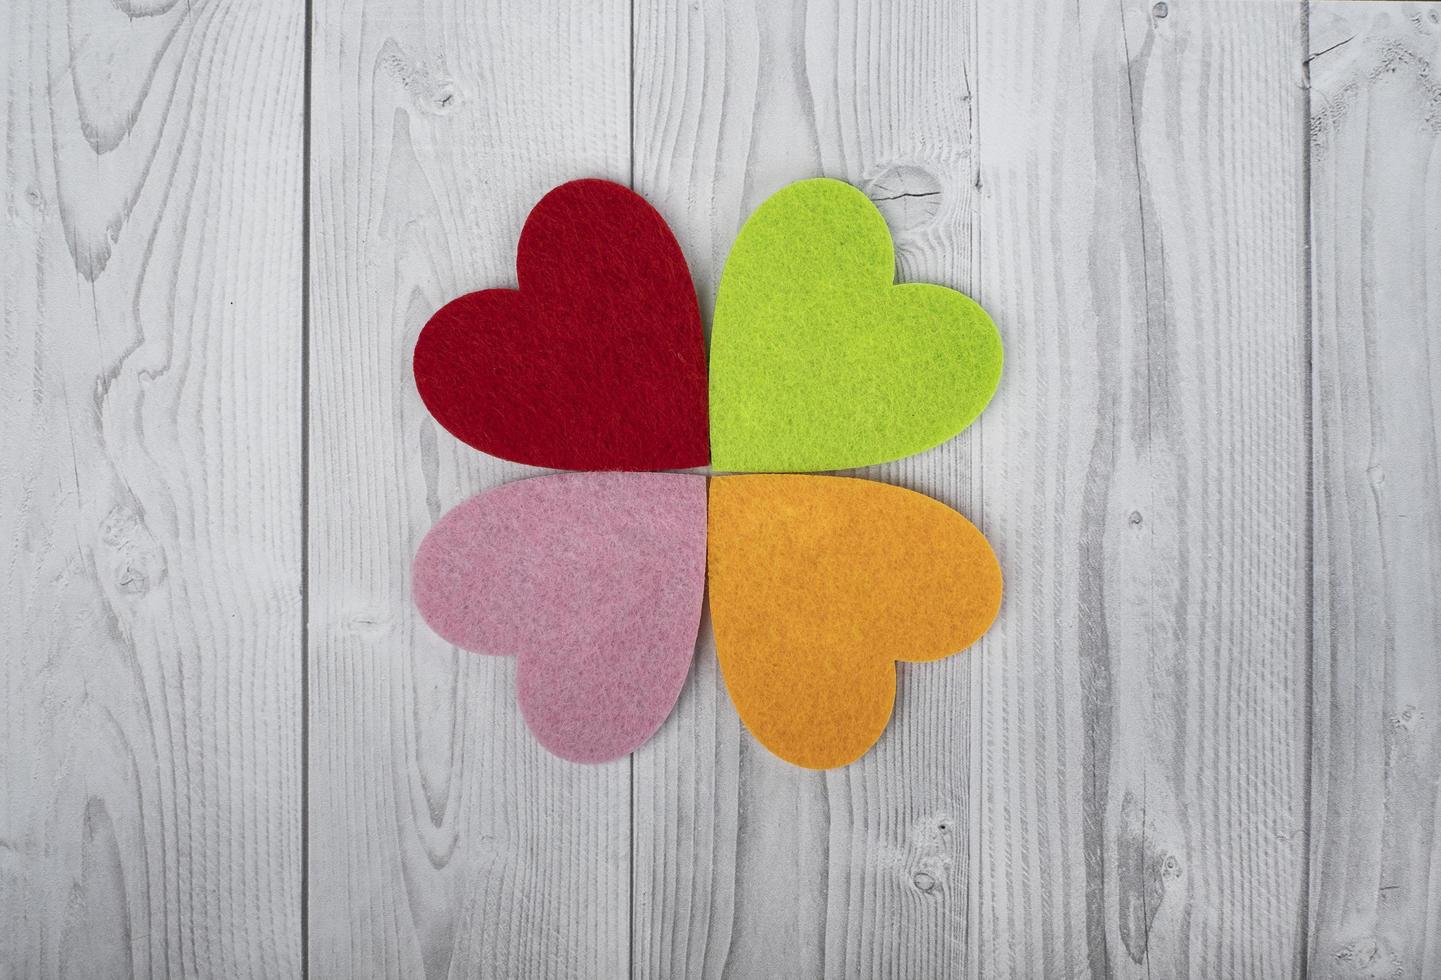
[594, 581]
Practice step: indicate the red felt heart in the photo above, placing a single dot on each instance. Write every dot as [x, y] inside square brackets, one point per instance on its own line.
[597, 361]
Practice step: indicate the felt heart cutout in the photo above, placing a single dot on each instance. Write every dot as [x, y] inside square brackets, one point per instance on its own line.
[593, 581]
[597, 361]
[819, 361]
[818, 585]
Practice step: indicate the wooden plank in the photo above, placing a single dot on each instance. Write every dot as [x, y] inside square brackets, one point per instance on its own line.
[443, 840]
[744, 865]
[1142, 701]
[1375, 893]
[150, 495]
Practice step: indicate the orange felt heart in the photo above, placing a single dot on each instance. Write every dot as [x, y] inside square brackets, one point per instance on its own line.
[818, 585]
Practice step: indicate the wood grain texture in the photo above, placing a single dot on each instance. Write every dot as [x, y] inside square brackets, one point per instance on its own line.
[443, 840]
[745, 866]
[1376, 263]
[1197, 662]
[150, 494]
[1142, 702]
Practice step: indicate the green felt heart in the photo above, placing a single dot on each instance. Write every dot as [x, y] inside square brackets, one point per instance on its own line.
[819, 361]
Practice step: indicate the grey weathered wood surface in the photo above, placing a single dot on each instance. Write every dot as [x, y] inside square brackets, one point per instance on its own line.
[746, 866]
[150, 489]
[1201, 740]
[1143, 698]
[1375, 888]
[443, 840]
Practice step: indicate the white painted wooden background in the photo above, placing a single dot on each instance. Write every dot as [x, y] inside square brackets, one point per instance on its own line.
[1203, 739]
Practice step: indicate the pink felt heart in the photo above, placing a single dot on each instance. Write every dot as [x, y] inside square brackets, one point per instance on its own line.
[593, 581]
